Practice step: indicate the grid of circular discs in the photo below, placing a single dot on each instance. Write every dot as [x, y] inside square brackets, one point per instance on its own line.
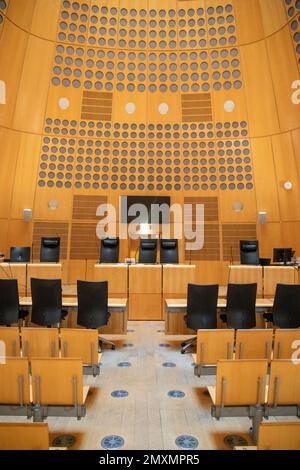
[295, 31]
[100, 69]
[163, 29]
[292, 7]
[131, 157]
[3, 6]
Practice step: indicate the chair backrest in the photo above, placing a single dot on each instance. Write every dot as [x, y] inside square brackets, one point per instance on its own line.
[50, 249]
[40, 342]
[279, 436]
[213, 345]
[80, 343]
[254, 344]
[240, 308]
[284, 384]
[20, 254]
[11, 339]
[148, 251]
[202, 304]
[14, 380]
[169, 251]
[241, 382]
[57, 381]
[286, 342]
[109, 252]
[9, 301]
[92, 304]
[46, 301]
[24, 436]
[249, 252]
[286, 310]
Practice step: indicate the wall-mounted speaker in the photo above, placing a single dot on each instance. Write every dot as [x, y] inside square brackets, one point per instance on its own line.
[27, 215]
[262, 218]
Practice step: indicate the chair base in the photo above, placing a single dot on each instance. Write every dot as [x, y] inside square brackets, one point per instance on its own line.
[105, 341]
[188, 344]
[41, 412]
[16, 410]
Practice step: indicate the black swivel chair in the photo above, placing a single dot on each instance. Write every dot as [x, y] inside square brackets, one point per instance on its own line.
[47, 302]
[249, 252]
[10, 311]
[20, 254]
[169, 251]
[50, 249]
[240, 312]
[202, 305]
[93, 306]
[286, 308]
[148, 251]
[109, 252]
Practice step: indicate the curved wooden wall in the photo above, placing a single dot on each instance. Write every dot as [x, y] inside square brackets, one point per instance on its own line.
[177, 53]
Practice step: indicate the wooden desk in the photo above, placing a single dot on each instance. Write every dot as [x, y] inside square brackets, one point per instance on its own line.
[145, 288]
[43, 271]
[247, 275]
[116, 275]
[15, 271]
[274, 275]
[176, 278]
[117, 307]
[176, 310]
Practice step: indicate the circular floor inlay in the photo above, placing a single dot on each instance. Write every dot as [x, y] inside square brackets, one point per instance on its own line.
[193, 364]
[124, 364]
[64, 441]
[164, 345]
[128, 345]
[235, 441]
[112, 442]
[169, 364]
[160, 331]
[186, 442]
[176, 394]
[130, 331]
[119, 393]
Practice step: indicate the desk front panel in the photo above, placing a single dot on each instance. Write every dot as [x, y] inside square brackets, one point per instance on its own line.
[15, 271]
[145, 279]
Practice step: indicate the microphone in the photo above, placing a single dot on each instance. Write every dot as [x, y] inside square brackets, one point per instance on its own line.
[231, 255]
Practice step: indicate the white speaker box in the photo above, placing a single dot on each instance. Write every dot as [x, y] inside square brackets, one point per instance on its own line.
[262, 218]
[27, 215]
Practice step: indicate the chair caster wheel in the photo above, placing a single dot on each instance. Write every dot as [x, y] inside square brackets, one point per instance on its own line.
[182, 345]
[182, 352]
[113, 348]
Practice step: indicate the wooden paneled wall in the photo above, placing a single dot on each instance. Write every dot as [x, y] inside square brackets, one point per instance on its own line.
[144, 85]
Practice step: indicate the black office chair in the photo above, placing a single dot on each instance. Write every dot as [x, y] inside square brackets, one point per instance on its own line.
[286, 308]
[20, 254]
[249, 252]
[10, 311]
[93, 306]
[47, 302]
[109, 252]
[169, 251]
[50, 249]
[202, 305]
[240, 312]
[147, 251]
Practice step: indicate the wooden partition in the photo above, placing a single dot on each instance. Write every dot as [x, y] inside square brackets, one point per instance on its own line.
[277, 275]
[145, 287]
[24, 436]
[247, 275]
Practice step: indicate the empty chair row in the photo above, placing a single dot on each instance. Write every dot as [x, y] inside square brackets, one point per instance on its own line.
[49, 251]
[241, 390]
[53, 387]
[240, 311]
[215, 345]
[51, 342]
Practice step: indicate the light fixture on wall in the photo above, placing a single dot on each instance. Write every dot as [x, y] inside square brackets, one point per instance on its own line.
[63, 103]
[130, 108]
[288, 185]
[53, 204]
[262, 217]
[163, 108]
[237, 206]
[2, 92]
[27, 215]
[229, 106]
